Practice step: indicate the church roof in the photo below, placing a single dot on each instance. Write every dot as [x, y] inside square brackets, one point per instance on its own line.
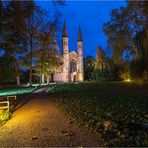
[79, 35]
[65, 34]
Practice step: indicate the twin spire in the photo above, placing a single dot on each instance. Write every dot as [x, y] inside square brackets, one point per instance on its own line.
[79, 35]
[65, 34]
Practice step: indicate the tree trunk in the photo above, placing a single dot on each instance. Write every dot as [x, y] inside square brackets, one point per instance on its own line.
[30, 71]
[43, 78]
[15, 64]
[47, 79]
[18, 80]
[136, 50]
[40, 80]
[30, 76]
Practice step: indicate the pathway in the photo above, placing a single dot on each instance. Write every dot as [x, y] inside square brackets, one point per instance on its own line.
[40, 123]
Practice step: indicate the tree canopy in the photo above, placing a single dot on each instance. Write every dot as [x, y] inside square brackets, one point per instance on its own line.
[25, 30]
[127, 31]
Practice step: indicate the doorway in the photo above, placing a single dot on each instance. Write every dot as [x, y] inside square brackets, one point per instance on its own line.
[74, 78]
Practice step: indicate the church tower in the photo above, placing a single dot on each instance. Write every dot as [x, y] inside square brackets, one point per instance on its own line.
[65, 54]
[80, 53]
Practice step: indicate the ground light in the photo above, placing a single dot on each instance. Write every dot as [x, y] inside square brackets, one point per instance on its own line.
[127, 80]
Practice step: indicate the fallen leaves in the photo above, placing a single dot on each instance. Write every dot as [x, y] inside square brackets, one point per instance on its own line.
[34, 138]
[67, 133]
[113, 110]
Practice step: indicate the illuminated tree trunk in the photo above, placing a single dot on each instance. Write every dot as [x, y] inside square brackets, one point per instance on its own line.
[18, 80]
[47, 79]
[136, 51]
[43, 78]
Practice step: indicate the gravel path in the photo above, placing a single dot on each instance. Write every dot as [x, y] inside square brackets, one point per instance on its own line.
[40, 123]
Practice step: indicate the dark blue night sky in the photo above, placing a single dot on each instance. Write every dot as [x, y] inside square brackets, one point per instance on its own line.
[90, 15]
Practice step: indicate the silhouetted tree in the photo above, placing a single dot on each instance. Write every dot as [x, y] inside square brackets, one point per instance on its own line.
[13, 40]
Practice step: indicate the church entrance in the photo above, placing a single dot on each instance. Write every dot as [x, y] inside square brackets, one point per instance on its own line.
[74, 78]
[73, 70]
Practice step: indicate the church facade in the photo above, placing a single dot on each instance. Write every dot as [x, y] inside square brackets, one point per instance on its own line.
[71, 69]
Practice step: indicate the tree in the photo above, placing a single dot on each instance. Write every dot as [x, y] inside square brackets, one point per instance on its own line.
[13, 40]
[101, 65]
[37, 25]
[21, 26]
[47, 59]
[1, 9]
[7, 74]
[34, 23]
[125, 32]
[88, 68]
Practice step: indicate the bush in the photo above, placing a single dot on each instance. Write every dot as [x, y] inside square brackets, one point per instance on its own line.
[101, 76]
[4, 115]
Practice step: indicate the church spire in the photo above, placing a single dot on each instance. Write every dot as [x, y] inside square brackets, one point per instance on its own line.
[79, 35]
[64, 30]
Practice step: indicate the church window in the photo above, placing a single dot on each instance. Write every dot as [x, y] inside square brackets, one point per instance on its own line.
[73, 65]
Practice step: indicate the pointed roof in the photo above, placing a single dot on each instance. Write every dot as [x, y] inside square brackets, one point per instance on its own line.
[65, 34]
[79, 35]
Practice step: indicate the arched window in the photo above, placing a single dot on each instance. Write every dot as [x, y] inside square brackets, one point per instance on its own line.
[73, 66]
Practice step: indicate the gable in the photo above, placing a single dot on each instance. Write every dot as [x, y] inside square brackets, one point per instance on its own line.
[73, 55]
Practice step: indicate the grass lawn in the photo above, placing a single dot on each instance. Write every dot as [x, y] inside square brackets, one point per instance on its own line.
[118, 112]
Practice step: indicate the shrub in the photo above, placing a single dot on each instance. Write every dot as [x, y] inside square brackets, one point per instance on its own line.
[4, 115]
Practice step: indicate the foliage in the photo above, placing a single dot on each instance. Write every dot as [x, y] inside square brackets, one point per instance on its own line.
[88, 68]
[101, 58]
[23, 25]
[13, 36]
[101, 76]
[4, 115]
[47, 58]
[7, 73]
[102, 66]
[116, 111]
[127, 31]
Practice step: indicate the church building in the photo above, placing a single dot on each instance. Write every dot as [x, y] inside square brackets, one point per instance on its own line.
[71, 69]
